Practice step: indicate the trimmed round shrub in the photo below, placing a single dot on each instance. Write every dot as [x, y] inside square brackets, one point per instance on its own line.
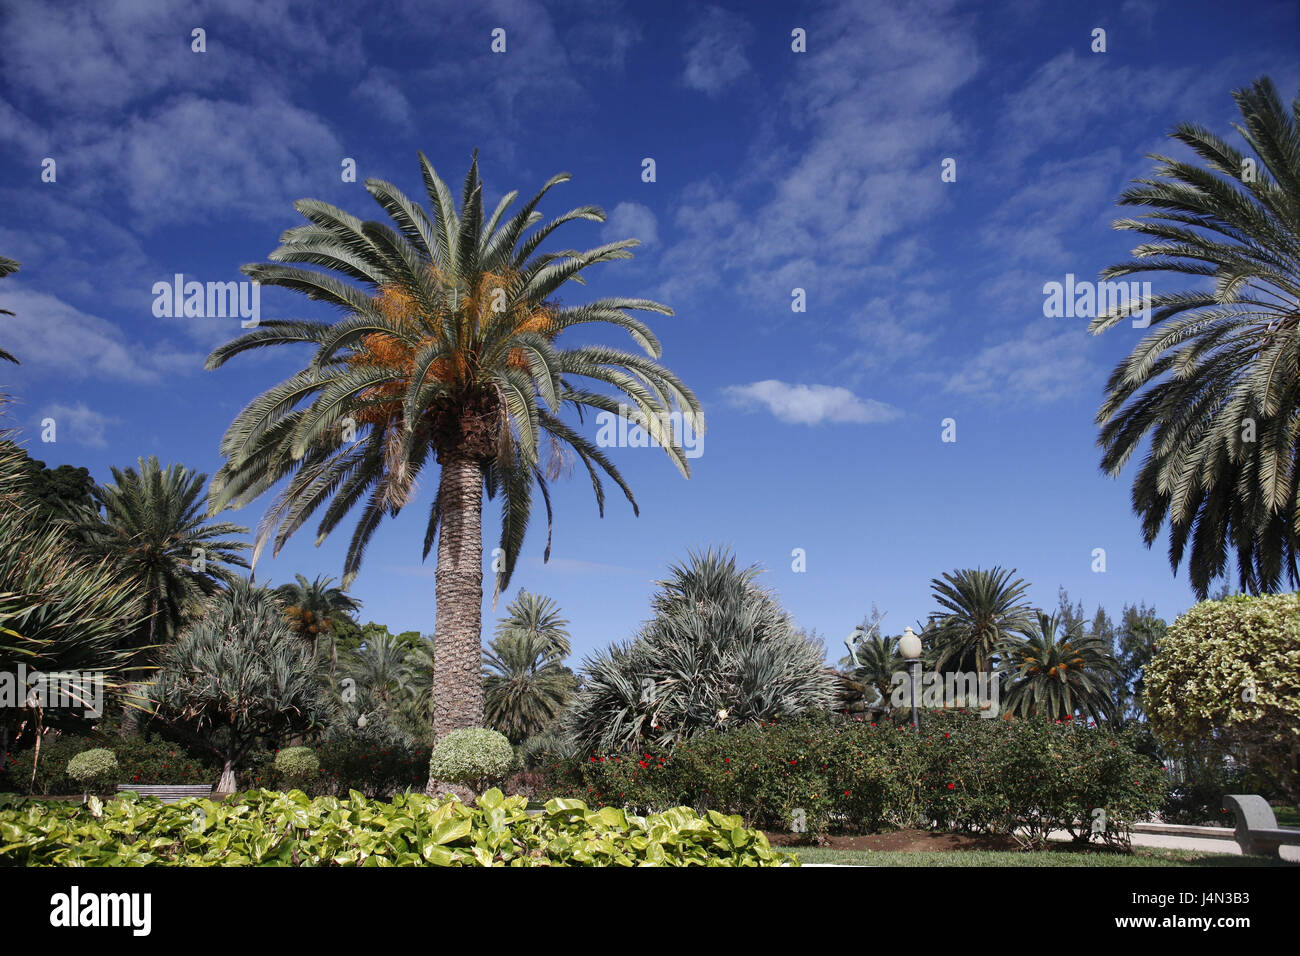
[297, 765]
[91, 767]
[1228, 672]
[475, 757]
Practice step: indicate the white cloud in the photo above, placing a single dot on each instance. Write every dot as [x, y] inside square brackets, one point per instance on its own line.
[49, 335]
[1045, 362]
[717, 58]
[381, 93]
[79, 423]
[631, 220]
[810, 404]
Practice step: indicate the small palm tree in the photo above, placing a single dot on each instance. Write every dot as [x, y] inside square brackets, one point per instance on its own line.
[1215, 385]
[1057, 678]
[536, 616]
[449, 349]
[525, 687]
[7, 267]
[312, 607]
[980, 610]
[155, 531]
[878, 662]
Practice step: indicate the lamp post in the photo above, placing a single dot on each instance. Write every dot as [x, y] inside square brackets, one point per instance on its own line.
[909, 645]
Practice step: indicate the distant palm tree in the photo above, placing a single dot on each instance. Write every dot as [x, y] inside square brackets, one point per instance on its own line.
[313, 607]
[525, 687]
[980, 610]
[156, 533]
[1215, 385]
[7, 267]
[535, 615]
[448, 349]
[878, 662]
[1059, 678]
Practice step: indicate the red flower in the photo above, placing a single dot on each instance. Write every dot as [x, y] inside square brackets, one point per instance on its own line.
[846, 793]
[952, 786]
[793, 762]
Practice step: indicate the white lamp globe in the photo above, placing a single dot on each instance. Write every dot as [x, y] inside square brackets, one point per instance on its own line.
[909, 645]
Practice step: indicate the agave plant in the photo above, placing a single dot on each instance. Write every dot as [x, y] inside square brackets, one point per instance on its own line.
[719, 651]
[1059, 677]
[239, 675]
[980, 610]
[1215, 384]
[155, 532]
[449, 349]
[7, 267]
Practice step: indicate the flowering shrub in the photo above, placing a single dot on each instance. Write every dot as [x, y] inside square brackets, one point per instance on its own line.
[1019, 777]
[140, 759]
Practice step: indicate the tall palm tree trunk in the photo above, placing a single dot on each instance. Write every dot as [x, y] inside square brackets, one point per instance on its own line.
[458, 652]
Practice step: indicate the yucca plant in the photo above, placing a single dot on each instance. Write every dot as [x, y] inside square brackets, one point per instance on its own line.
[450, 349]
[1058, 677]
[1215, 384]
[7, 267]
[720, 651]
[980, 609]
[239, 676]
[155, 531]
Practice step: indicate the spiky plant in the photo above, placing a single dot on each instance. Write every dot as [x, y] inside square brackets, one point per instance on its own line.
[979, 610]
[720, 651]
[873, 676]
[155, 531]
[60, 610]
[525, 687]
[7, 267]
[1215, 384]
[1059, 676]
[448, 349]
[239, 675]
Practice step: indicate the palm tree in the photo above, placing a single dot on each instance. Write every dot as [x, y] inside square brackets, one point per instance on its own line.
[61, 612]
[312, 608]
[980, 610]
[7, 266]
[535, 615]
[448, 350]
[525, 687]
[155, 531]
[1059, 678]
[878, 660]
[1215, 385]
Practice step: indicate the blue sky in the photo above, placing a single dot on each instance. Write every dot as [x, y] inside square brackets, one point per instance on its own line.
[775, 170]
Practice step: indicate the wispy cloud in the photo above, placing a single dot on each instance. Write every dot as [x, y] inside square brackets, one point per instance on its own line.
[79, 423]
[631, 220]
[717, 58]
[810, 404]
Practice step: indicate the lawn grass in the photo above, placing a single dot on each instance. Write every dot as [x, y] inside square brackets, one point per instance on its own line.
[1141, 856]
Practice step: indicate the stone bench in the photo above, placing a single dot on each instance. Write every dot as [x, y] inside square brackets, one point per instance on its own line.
[167, 793]
[1257, 831]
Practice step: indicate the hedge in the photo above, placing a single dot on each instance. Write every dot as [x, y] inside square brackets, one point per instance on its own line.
[1022, 778]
